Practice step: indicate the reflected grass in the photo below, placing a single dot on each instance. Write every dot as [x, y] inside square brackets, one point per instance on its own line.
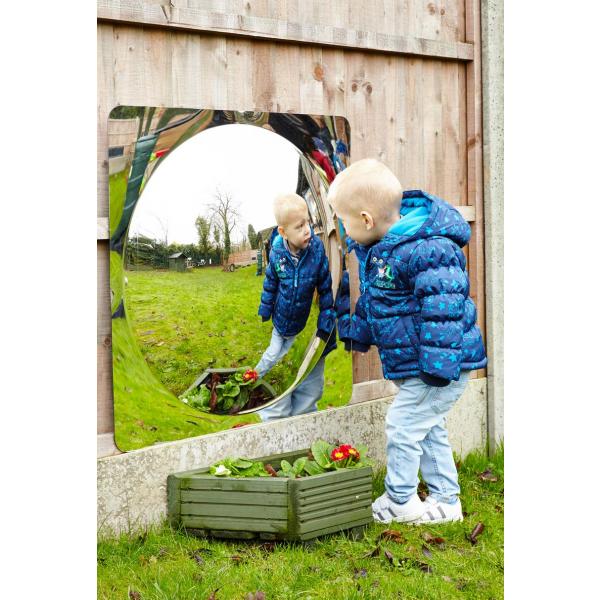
[183, 324]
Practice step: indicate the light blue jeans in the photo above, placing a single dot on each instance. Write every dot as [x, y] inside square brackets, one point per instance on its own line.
[305, 397]
[415, 428]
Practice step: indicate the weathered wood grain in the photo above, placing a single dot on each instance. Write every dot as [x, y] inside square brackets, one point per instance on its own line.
[394, 101]
[475, 162]
[188, 18]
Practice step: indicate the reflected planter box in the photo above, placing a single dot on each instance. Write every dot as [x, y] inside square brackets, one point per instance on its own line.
[266, 388]
[271, 507]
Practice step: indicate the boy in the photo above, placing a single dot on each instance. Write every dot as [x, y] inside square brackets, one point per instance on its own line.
[297, 265]
[415, 307]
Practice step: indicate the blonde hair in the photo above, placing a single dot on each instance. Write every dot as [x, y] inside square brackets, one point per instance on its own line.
[366, 185]
[285, 206]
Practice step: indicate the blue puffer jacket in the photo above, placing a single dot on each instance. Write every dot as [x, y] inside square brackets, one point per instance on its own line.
[414, 303]
[288, 290]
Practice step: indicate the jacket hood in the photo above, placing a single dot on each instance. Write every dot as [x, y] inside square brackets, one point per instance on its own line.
[443, 219]
[427, 216]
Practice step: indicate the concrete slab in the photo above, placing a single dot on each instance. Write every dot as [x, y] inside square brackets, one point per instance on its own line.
[132, 486]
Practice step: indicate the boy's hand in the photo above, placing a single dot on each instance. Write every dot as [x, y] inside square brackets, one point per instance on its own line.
[265, 319]
[433, 380]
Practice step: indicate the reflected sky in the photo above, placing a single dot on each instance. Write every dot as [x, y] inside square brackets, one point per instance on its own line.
[250, 163]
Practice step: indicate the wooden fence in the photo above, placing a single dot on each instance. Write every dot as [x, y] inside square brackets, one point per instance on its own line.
[406, 75]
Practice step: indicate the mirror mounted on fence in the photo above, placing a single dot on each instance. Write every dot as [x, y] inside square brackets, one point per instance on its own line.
[196, 252]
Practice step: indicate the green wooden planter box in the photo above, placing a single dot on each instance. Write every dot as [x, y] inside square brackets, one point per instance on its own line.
[270, 507]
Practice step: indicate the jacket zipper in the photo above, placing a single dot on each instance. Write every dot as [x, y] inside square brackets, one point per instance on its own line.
[296, 270]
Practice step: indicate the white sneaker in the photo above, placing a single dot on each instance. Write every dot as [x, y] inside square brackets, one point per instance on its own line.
[440, 512]
[385, 510]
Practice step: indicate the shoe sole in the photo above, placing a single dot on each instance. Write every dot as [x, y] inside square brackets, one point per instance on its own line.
[411, 519]
[438, 521]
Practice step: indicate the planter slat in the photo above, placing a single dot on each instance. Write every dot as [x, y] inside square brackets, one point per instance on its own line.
[233, 510]
[228, 524]
[344, 504]
[333, 529]
[330, 498]
[338, 519]
[333, 487]
[332, 477]
[231, 484]
[266, 499]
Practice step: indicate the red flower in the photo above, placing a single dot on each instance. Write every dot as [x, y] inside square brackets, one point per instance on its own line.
[345, 451]
[354, 453]
[250, 375]
[338, 454]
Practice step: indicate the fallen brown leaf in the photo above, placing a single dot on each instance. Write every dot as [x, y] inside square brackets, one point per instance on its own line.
[422, 490]
[411, 562]
[267, 546]
[392, 535]
[134, 595]
[270, 470]
[390, 558]
[477, 531]
[487, 475]
[426, 551]
[213, 594]
[373, 553]
[432, 539]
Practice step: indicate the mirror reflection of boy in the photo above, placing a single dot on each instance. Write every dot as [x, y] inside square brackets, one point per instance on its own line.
[297, 266]
[415, 307]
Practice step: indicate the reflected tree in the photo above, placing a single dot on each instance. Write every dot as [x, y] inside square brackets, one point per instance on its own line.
[217, 238]
[203, 228]
[224, 216]
[252, 237]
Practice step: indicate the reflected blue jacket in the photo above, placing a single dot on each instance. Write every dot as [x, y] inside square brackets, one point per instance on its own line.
[288, 289]
[414, 303]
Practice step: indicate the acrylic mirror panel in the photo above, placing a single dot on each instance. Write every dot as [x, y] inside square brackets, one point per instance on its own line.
[191, 225]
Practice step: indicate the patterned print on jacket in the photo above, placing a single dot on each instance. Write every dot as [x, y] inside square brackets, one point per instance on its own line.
[414, 303]
[288, 290]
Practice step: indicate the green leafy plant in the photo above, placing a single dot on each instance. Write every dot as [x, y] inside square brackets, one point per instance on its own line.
[238, 467]
[322, 458]
[223, 396]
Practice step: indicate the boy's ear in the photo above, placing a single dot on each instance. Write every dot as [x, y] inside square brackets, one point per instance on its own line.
[367, 220]
[281, 231]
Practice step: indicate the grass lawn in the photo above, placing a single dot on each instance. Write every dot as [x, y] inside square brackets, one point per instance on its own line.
[183, 324]
[161, 564]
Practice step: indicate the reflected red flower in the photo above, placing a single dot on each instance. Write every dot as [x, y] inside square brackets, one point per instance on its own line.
[250, 375]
